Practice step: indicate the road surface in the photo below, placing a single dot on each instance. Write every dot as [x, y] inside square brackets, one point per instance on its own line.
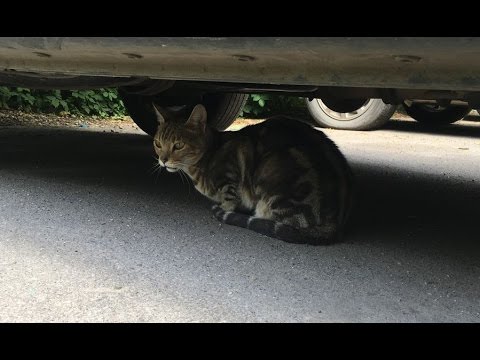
[89, 234]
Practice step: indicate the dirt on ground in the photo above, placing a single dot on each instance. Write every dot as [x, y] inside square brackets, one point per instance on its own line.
[20, 118]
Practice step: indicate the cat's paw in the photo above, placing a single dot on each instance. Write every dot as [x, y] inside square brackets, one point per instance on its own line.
[218, 212]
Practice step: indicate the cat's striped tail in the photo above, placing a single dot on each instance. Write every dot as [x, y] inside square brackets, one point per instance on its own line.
[318, 235]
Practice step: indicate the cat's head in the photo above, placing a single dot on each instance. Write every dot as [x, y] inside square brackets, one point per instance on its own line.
[180, 143]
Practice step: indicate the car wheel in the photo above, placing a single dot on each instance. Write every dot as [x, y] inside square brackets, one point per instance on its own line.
[366, 114]
[222, 109]
[432, 114]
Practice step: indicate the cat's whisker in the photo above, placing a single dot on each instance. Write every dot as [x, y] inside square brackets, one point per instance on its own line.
[181, 177]
[156, 160]
[159, 170]
[189, 181]
[156, 167]
[185, 176]
[155, 163]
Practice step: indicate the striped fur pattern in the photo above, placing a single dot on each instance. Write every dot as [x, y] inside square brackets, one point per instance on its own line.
[281, 178]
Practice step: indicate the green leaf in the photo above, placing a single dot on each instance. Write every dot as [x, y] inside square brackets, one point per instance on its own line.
[55, 103]
[86, 108]
[30, 99]
[64, 105]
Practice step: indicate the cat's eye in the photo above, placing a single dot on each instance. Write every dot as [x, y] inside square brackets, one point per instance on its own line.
[179, 145]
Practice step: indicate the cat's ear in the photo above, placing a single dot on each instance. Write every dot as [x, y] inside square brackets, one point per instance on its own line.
[158, 114]
[198, 117]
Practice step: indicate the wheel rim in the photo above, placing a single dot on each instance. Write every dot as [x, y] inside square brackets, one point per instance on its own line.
[344, 116]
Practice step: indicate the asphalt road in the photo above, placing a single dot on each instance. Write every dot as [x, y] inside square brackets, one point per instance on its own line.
[89, 234]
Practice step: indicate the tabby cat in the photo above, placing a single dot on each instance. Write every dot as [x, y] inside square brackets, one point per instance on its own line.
[280, 178]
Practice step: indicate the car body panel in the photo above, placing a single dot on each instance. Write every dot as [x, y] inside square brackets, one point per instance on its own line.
[439, 64]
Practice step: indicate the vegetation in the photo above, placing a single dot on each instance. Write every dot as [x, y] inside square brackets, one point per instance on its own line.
[262, 105]
[106, 102]
[96, 103]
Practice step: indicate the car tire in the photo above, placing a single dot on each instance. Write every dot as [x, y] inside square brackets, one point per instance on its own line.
[222, 109]
[433, 115]
[366, 115]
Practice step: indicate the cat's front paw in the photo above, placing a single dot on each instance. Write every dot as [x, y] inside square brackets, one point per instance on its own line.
[218, 212]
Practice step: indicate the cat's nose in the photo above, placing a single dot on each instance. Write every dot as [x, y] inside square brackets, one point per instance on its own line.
[163, 161]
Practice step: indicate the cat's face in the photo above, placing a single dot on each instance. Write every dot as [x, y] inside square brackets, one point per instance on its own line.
[180, 144]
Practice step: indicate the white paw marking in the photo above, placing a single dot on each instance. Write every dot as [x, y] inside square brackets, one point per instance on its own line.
[225, 216]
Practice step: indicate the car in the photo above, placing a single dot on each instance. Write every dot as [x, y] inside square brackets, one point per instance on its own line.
[364, 78]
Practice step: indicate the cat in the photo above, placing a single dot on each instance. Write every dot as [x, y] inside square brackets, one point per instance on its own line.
[281, 178]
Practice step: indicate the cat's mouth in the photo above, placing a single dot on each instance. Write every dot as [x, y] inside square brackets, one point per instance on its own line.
[171, 169]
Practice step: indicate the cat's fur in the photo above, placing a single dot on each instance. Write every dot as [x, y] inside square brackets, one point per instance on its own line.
[281, 178]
